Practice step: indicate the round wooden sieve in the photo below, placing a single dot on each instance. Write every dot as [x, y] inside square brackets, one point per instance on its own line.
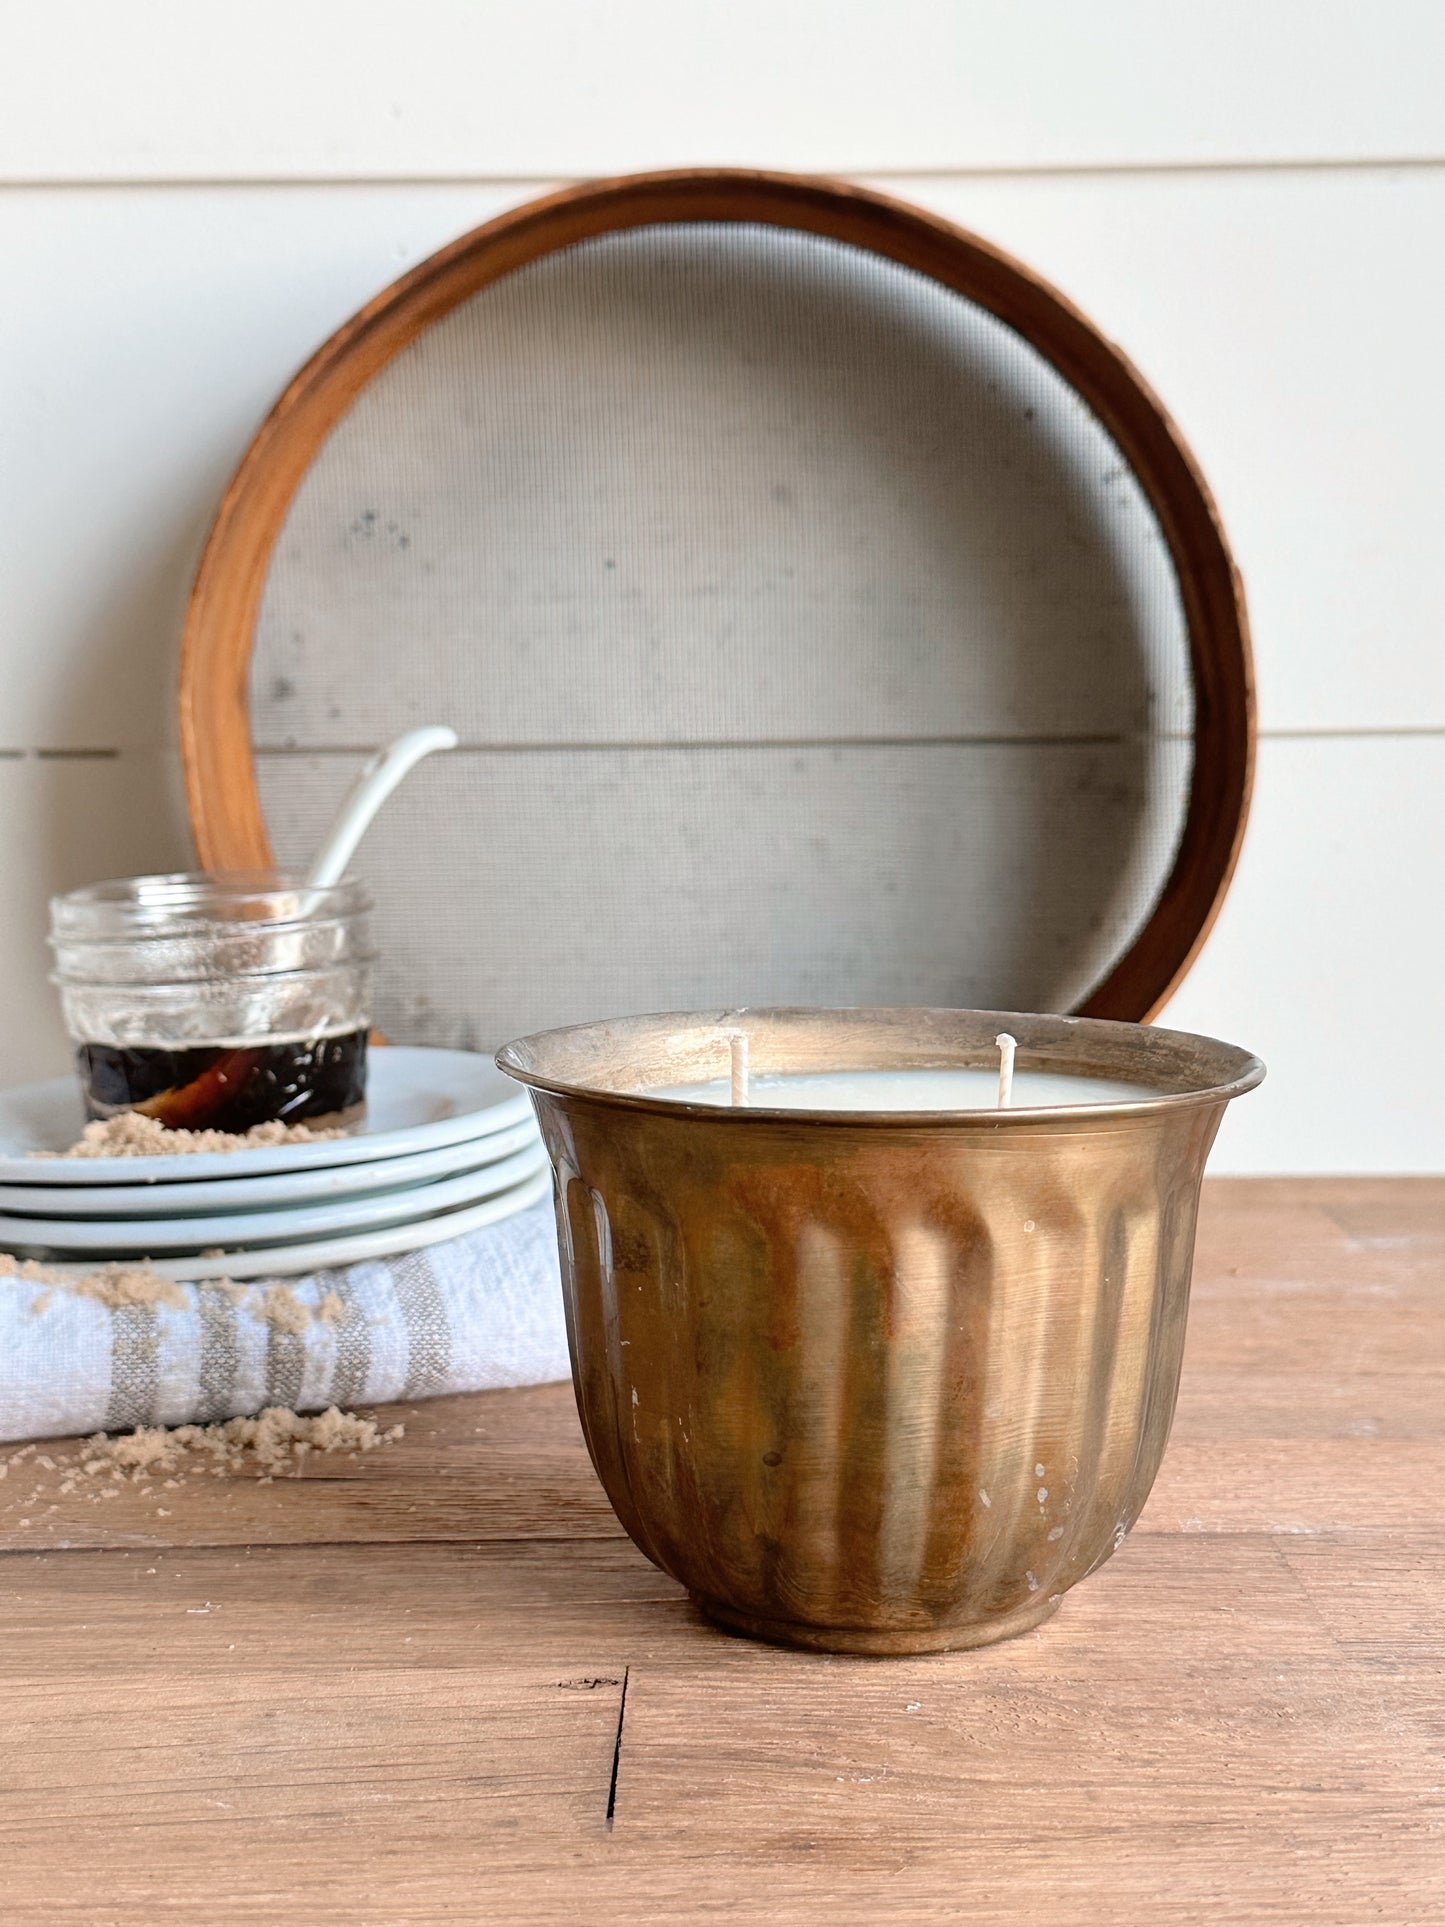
[829, 613]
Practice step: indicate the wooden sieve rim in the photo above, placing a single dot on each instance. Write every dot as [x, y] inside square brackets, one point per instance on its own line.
[220, 625]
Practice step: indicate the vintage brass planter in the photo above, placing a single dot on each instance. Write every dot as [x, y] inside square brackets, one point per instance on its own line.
[875, 1383]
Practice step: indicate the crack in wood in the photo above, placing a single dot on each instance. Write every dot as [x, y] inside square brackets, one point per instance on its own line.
[617, 1750]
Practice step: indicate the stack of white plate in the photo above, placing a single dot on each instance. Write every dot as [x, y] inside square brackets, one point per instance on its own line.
[448, 1145]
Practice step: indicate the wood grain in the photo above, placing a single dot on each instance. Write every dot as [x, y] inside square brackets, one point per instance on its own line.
[509, 1466]
[1236, 1719]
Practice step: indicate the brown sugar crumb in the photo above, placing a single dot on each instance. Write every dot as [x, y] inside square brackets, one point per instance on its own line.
[129, 1285]
[132, 1135]
[283, 1311]
[115, 1285]
[275, 1441]
[111, 1285]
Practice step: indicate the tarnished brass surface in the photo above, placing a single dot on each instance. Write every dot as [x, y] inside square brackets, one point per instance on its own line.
[872, 1382]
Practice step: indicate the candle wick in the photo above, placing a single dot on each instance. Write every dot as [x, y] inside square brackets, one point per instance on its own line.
[738, 1055]
[1006, 1047]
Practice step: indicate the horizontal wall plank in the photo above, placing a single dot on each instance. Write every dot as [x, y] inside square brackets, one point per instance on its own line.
[148, 335]
[1290, 324]
[1326, 960]
[163, 89]
[154, 326]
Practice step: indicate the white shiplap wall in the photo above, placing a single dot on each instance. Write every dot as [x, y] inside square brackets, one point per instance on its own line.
[1249, 195]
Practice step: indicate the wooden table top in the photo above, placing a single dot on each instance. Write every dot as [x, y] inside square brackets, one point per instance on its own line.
[436, 1683]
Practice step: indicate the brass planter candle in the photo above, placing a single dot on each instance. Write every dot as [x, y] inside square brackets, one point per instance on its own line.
[876, 1380]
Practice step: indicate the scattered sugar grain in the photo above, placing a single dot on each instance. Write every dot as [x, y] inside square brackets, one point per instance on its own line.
[132, 1135]
[275, 1441]
[123, 1284]
[110, 1285]
[283, 1311]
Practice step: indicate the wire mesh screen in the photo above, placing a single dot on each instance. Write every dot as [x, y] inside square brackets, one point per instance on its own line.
[808, 638]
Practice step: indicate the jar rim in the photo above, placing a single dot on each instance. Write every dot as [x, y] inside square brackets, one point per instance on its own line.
[179, 903]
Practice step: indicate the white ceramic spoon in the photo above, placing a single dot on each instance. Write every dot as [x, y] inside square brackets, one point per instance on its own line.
[371, 789]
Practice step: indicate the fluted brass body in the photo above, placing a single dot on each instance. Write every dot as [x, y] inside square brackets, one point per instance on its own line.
[875, 1383]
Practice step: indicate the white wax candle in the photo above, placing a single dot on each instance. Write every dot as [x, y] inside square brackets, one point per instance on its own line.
[907, 1090]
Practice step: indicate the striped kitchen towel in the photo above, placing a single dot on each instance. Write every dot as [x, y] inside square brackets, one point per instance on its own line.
[481, 1311]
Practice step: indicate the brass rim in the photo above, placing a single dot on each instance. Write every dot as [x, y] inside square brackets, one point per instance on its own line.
[1215, 1071]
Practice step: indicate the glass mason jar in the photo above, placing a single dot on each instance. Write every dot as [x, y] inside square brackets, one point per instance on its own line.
[217, 1002]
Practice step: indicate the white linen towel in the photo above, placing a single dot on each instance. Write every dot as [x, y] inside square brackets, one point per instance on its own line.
[480, 1311]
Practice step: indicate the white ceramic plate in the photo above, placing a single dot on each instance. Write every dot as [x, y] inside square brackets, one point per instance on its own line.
[215, 1195]
[290, 1261]
[416, 1100]
[103, 1239]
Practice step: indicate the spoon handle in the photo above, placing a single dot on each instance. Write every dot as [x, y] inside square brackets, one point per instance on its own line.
[371, 789]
